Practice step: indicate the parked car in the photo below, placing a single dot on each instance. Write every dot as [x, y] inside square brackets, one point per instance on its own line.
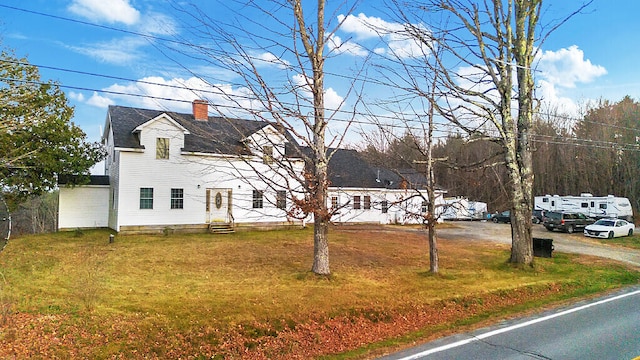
[609, 228]
[537, 217]
[566, 221]
[503, 217]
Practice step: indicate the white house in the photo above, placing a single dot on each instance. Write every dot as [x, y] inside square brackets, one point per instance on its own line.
[365, 193]
[190, 172]
[178, 171]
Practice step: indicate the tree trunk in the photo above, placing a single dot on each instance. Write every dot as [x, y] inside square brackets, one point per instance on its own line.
[321, 213]
[320, 247]
[433, 246]
[521, 171]
[319, 184]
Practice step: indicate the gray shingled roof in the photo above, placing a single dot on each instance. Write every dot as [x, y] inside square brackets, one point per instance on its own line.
[217, 135]
[348, 169]
[93, 180]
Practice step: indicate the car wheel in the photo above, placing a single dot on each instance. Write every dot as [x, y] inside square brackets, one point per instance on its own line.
[610, 236]
[495, 220]
[549, 228]
[630, 232]
[570, 229]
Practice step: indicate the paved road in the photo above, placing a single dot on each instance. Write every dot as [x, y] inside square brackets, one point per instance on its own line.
[569, 243]
[604, 328]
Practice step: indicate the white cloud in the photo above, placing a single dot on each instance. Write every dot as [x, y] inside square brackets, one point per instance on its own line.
[547, 92]
[556, 74]
[123, 50]
[332, 100]
[398, 41]
[76, 96]
[112, 11]
[566, 67]
[367, 27]
[268, 59]
[99, 101]
[154, 90]
[157, 24]
[118, 51]
[349, 47]
[560, 71]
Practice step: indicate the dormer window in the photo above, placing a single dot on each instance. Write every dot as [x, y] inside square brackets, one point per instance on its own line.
[267, 154]
[162, 148]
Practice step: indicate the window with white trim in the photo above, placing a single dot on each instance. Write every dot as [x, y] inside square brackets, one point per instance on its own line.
[177, 198]
[356, 202]
[162, 148]
[281, 199]
[267, 154]
[385, 206]
[146, 198]
[258, 199]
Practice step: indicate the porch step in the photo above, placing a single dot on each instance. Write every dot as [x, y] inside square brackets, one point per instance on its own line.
[221, 228]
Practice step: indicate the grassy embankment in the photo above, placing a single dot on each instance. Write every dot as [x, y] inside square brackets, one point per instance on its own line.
[632, 242]
[250, 295]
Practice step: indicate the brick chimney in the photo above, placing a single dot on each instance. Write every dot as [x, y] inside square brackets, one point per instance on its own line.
[200, 110]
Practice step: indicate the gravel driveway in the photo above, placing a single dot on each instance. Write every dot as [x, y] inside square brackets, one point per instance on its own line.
[568, 243]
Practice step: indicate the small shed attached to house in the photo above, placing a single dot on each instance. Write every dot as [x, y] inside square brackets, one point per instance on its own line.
[84, 207]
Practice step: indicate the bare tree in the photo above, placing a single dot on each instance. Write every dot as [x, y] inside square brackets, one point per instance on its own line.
[485, 59]
[260, 42]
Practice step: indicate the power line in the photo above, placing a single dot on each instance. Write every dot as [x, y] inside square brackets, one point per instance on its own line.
[150, 36]
[188, 44]
[245, 97]
[539, 138]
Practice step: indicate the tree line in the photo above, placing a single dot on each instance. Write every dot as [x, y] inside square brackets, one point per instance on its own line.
[598, 153]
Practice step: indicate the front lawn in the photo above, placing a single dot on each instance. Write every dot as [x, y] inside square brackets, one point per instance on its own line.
[251, 295]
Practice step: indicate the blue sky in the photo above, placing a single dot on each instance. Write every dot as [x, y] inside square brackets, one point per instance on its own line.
[592, 56]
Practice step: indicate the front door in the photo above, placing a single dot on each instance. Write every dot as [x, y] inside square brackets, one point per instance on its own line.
[218, 204]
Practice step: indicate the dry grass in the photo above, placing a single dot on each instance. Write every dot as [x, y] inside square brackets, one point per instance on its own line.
[153, 285]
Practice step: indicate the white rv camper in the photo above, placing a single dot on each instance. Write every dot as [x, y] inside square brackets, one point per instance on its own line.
[463, 209]
[592, 206]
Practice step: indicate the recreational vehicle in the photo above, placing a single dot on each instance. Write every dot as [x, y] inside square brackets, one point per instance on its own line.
[593, 206]
[458, 208]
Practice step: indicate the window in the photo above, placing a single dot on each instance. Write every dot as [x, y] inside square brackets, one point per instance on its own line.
[424, 207]
[146, 198]
[177, 198]
[257, 199]
[267, 154]
[162, 148]
[367, 202]
[385, 206]
[356, 202]
[281, 199]
[545, 199]
[584, 205]
[334, 202]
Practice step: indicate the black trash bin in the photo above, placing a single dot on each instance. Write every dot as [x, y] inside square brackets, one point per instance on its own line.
[542, 247]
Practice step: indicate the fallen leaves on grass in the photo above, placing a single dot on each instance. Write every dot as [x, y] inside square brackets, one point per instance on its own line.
[26, 335]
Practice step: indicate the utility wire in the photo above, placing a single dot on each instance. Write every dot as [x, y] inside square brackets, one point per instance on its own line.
[245, 97]
[174, 41]
[538, 138]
